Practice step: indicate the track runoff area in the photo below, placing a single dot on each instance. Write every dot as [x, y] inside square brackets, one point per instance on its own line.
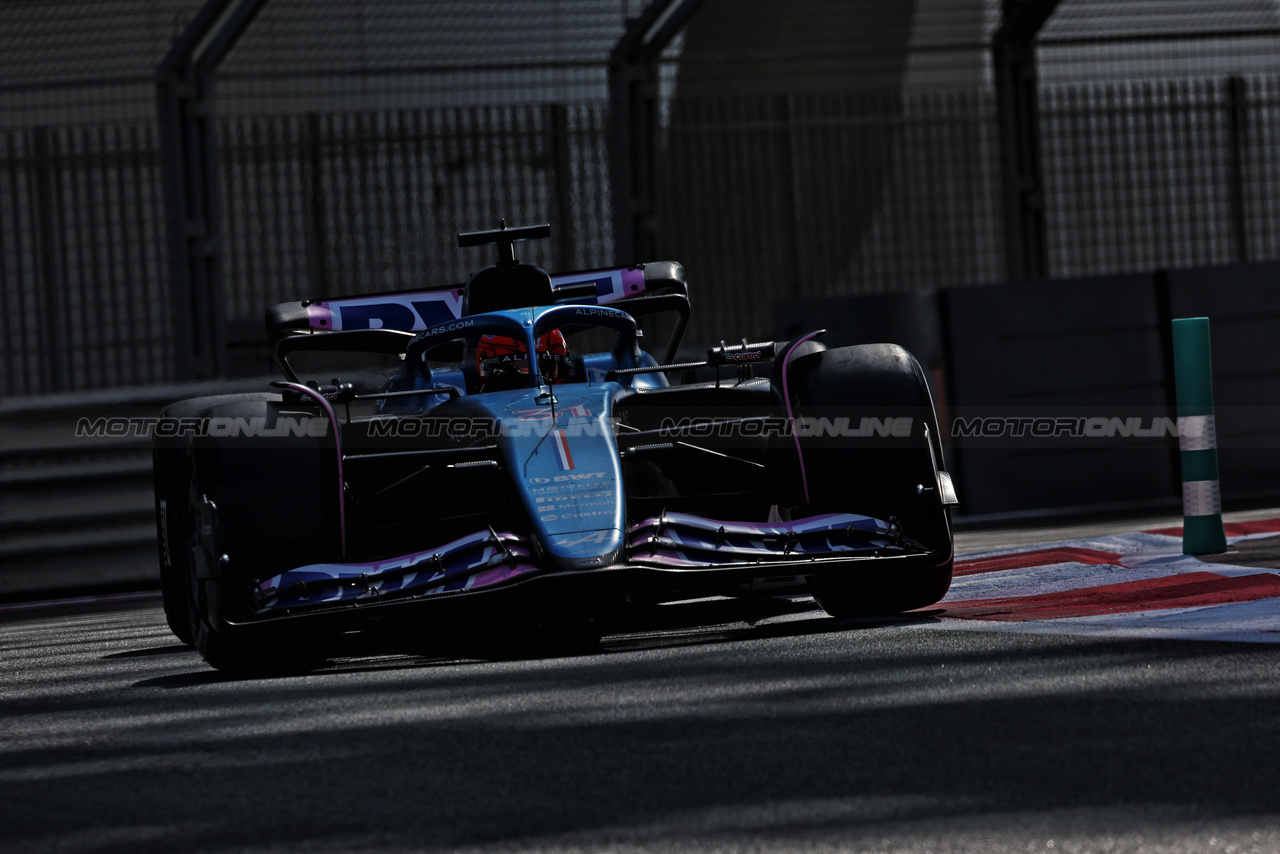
[1132, 582]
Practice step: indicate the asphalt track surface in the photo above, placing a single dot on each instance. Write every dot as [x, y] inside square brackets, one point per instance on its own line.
[723, 727]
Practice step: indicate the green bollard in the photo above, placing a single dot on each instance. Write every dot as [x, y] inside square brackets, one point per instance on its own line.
[1202, 531]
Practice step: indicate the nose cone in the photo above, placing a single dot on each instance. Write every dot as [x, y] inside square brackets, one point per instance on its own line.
[568, 471]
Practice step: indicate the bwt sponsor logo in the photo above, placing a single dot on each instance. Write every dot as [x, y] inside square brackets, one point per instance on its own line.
[1073, 427]
[568, 478]
[218, 427]
[805, 428]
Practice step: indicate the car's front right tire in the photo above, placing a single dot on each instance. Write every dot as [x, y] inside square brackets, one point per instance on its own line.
[886, 470]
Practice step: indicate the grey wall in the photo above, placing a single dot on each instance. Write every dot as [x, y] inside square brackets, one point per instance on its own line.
[1085, 348]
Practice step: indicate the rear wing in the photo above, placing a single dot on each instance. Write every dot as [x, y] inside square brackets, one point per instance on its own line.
[414, 311]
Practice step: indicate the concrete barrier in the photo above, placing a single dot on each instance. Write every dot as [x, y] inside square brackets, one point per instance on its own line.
[76, 509]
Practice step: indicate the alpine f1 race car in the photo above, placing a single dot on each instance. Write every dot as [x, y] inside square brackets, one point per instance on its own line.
[525, 453]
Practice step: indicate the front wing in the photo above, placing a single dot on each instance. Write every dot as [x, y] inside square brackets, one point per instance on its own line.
[671, 551]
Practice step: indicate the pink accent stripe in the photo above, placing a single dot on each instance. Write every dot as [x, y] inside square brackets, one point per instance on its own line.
[320, 317]
[337, 442]
[786, 397]
[501, 573]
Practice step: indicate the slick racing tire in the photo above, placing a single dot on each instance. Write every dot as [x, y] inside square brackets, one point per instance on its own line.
[884, 464]
[878, 592]
[167, 467]
[212, 594]
[255, 507]
[170, 450]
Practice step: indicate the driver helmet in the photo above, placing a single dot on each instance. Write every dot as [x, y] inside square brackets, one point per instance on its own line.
[501, 360]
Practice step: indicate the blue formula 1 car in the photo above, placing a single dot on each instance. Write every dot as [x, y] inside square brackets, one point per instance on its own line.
[514, 453]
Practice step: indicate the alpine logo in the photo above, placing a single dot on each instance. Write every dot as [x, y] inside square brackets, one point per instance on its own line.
[595, 538]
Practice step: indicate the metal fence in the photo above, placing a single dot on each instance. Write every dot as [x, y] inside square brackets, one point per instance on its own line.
[1175, 173]
[787, 197]
[778, 198]
[338, 203]
[81, 255]
[763, 198]
[315, 205]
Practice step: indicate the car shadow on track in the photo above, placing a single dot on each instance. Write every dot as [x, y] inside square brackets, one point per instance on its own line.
[148, 652]
[725, 620]
[701, 622]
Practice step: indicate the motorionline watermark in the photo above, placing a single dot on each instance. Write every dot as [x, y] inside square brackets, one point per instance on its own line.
[668, 427]
[1154, 427]
[134, 426]
[963, 426]
[1071, 427]
[458, 427]
[283, 427]
[806, 427]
